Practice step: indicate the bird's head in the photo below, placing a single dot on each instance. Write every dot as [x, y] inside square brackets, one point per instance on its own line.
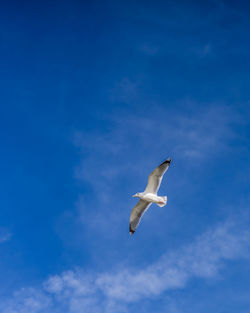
[137, 195]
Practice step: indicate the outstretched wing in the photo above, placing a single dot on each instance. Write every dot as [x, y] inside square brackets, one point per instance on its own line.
[136, 214]
[155, 178]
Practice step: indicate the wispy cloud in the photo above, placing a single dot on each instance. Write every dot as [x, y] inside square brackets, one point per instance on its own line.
[126, 152]
[76, 291]
[5, 235]
[149, 49]
[153, 134]
[132, 144]
[27, 300]
[124, 91]
[203, 51]
[202, 259]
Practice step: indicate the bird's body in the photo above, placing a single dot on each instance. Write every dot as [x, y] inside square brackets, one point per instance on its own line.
[149, 196]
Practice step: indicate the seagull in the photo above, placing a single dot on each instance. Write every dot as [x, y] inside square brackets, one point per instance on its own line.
[149, 195]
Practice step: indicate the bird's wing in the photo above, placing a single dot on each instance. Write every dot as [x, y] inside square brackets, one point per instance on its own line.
[138, 210]
[155, 178]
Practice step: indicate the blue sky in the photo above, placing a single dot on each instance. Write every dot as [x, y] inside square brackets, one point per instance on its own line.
[94, 96]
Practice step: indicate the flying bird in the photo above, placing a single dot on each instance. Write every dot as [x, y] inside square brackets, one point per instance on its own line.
[149, 195]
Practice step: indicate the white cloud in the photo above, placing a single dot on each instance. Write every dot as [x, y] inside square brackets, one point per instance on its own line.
[69, 282]
[76, 292]
[202, 258]
[27, 300]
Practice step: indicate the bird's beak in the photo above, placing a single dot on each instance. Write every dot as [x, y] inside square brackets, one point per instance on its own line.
[134, 196]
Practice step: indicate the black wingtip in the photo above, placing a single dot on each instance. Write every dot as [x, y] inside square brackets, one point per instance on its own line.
[168, 161]
[131, 231]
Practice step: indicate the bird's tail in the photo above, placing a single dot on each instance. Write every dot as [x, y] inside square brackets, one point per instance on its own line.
[162, 202]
